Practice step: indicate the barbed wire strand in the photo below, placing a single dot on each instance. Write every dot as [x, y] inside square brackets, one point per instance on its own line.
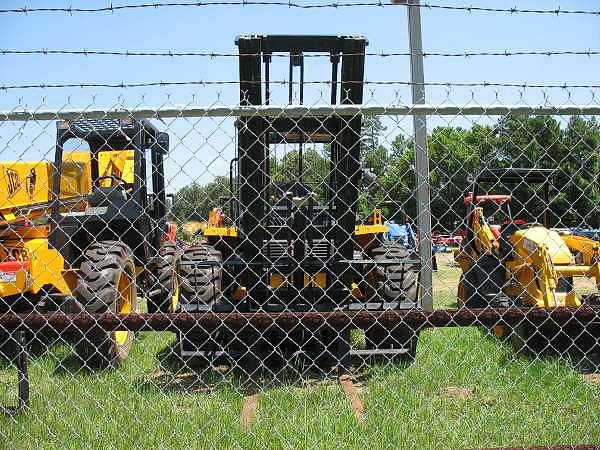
[290, 4]
[383, 54]
[124, 85]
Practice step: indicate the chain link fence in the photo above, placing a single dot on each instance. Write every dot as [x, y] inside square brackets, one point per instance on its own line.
[298, 270]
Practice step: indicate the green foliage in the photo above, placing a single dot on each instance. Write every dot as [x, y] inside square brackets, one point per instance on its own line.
[455, 154]
[193, 202]
[573, 150]
[315, 170]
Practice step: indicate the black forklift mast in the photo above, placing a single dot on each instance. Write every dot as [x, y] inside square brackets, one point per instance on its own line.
[255, 134]
[116, 135]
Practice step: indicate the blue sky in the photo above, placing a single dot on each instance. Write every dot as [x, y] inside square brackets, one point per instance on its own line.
[207, 148]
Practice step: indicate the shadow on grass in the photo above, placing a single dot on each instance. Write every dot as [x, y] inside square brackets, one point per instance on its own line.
[12, 411]
[246, 374]
[581, 355]
[72, 365]
[38, 345]
[51, 346]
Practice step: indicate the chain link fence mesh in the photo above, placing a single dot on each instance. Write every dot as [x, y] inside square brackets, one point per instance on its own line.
[250, 276]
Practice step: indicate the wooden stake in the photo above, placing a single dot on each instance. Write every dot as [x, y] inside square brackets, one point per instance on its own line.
[249, 411]
[353, 397]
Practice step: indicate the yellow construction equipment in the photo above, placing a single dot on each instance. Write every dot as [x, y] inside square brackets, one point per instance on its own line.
[27, 263]
[193, 229]
[26, 187]
[524, 264]
[89, 231]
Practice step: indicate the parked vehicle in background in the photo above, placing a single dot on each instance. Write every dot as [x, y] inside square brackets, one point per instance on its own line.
[401, 233]
[586, 232]
[442, 240]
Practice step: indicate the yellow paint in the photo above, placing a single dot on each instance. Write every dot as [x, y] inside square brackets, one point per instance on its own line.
[485, 240]
[321, 279]
[461, 292]
[124, 305]
[529, 241]
[221, 231]
[589, 249]
[356, 292]
[175, 296]
[277, 280]
[118, 163]
[315, 280]
[375, 227]
[543, 257]
[310, 280]
[24, 184]
[45, 269]
[240, 293]
[29, 184]
[499, 331]
[370, 229]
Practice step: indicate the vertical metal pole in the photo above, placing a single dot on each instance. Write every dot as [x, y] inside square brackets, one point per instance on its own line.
[22, 370]
[421, 154]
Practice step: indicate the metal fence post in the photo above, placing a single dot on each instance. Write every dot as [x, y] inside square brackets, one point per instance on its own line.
[22, 370]
[421, 154]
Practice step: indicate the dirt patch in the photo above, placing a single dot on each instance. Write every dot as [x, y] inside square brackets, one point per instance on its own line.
[249, 413]
[186, 381]
[593, 378]
[487, 400]
[458, 393]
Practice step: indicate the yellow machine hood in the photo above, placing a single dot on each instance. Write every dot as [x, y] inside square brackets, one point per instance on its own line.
[528, 241]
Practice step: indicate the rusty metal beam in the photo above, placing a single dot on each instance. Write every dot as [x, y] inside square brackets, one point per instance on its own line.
[311, 320]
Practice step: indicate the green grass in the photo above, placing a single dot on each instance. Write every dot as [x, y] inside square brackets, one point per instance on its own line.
[514, 401]
[150, 402]
[445, 281]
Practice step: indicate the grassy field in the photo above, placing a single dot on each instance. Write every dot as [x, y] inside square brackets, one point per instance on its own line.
[445, 281]
[464, 390]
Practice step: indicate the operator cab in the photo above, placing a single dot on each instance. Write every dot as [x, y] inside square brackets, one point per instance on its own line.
[497, 211]
[119, 179]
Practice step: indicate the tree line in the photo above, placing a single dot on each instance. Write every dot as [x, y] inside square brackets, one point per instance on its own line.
[456, 154]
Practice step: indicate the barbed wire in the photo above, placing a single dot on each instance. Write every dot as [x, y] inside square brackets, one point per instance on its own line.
[124, 85]
[290, 4]
[383, 54]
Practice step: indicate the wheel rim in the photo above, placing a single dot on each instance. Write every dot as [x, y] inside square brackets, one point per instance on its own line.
[124, 306]
[175, 296]
[461, 293]
[499, 331]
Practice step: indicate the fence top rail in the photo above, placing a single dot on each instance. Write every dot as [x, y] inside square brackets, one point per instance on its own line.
[25, 115]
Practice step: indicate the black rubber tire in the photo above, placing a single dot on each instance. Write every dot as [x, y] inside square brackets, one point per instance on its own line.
[164, 279]
[200, 284]
[396, 282]
[104, 266]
